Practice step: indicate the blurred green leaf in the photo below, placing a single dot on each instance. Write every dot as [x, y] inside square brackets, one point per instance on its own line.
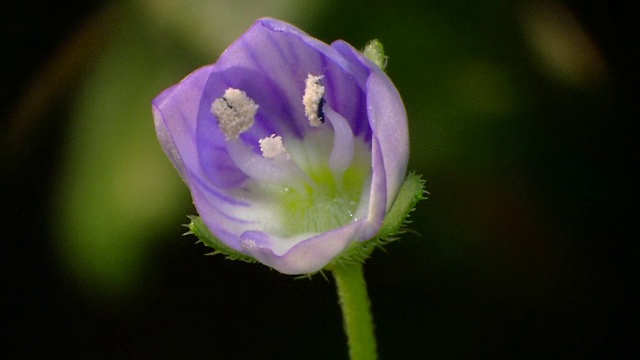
[118, 191]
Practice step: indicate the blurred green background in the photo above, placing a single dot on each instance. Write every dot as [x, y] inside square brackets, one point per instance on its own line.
[520, 116]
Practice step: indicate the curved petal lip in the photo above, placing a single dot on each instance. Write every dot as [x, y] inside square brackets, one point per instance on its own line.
[308, 256]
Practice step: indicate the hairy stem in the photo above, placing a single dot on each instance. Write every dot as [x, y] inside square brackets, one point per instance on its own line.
[356, 311]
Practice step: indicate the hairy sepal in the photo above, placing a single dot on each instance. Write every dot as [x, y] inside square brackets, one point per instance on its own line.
[198, 228]
[394, 224]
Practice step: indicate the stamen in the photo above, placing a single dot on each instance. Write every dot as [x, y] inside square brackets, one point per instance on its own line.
[235, 112]
[265, 170]
[272, 148]
[343, 142]
[313, 100]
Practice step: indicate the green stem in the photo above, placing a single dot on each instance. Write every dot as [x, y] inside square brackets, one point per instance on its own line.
[356, 311]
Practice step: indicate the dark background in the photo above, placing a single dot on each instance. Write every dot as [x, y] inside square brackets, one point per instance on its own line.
[523, 250]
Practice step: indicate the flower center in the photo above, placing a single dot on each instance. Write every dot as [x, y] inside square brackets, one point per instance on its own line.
[298, 186]
[328, 200]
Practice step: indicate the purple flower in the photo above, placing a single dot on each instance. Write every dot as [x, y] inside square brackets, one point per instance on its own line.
[293, 149]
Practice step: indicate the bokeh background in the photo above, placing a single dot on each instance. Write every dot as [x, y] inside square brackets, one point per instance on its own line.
[521, 119]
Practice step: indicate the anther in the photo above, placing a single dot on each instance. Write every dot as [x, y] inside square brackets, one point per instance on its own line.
[313, 100]
[272, 148]
[235, 112]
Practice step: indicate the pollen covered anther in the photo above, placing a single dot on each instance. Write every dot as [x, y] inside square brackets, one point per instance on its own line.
[235, 112]
[272, 148]
[313, 100]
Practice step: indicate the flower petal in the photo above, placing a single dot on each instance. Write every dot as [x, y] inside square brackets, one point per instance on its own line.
[286, 55]
[306, 256]
[175, 113]
[176, 120]
[378, 195]
[387, 118]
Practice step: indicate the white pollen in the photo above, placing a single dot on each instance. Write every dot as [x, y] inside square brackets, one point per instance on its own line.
[272, 147]
[235, 112]
[313, 96]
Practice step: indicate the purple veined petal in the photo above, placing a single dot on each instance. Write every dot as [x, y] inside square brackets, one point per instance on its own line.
[176, 118]
[348, 98]
[226, 229]
[281, 58]
[175, 113]
[212, 146]
[353, 56]
[360, 75]
[389, 123]
[274, 112]
[285, 56]
[387, 117]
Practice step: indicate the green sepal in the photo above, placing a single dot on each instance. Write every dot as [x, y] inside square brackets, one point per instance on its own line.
[198, 228]
[374, 51]
[394, 224]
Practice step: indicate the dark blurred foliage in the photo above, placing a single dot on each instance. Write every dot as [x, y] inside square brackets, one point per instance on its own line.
[523, 250]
